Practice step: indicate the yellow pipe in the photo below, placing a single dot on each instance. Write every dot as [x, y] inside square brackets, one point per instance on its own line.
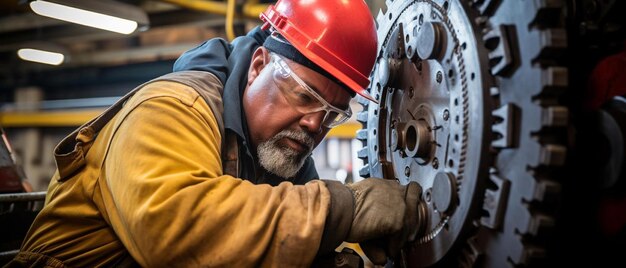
[76, 118]
[230, 20]
[253, 10]
[47, 119]
[208, 6]
[250, 10]
[347, 131]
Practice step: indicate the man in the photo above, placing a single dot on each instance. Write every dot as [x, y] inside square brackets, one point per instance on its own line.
[211, 166]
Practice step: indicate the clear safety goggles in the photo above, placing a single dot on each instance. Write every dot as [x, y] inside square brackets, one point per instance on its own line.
[302, 97]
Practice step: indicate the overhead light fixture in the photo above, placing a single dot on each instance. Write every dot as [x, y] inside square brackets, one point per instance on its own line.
[103, 14]
[43, 52]
[41, 56]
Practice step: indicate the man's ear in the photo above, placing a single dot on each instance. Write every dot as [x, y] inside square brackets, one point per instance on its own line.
[260, 58]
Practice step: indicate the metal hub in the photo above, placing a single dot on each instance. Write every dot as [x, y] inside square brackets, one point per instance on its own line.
[413, 138]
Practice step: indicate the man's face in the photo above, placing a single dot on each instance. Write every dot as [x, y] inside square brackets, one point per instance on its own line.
[281, 134]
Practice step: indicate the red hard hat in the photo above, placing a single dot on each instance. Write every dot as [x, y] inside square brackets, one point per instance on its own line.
[338, 36]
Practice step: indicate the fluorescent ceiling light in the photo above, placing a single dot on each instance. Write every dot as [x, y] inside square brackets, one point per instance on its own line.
[83, 17]
[103, 14]
[41, 56]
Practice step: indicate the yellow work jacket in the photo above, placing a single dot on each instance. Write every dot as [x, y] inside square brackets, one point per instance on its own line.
[146, 184]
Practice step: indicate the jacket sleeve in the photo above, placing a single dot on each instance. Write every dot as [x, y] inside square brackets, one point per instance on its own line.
[170, 204]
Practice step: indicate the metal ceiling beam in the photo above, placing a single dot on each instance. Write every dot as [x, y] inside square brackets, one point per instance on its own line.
[66, 32]
[125, 56]
[84, 78]
[250, 9]
[26, 21]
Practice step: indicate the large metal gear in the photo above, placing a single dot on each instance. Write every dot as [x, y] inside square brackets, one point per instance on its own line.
[474, 118]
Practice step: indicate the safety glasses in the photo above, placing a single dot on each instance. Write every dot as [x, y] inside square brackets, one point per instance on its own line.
[302, 97]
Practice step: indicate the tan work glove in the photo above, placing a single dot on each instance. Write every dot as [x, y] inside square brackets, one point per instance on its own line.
[384, 215]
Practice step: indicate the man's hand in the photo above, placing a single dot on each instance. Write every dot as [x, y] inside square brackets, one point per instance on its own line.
[383, 208]
[385, 216]
[382, 215]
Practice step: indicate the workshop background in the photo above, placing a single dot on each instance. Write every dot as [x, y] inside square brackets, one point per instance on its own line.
[545, 138]
[42, 103]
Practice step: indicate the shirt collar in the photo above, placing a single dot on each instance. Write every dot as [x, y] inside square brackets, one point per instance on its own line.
[234, 118]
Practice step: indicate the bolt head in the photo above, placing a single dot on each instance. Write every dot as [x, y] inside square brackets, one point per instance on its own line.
[435, 163]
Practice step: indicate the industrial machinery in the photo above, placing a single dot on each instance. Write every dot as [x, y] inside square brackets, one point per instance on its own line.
[18, 204]
[480, 102]
[486, 104]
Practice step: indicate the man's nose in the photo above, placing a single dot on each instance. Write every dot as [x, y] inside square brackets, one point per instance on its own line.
[312, 122]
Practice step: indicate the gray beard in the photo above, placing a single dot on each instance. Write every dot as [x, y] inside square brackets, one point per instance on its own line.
[283, 160]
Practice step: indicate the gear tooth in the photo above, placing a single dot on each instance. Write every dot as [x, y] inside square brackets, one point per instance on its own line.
[388, 3]
[494, 91]
[554, 80]
[540, 224]
[535, 223]
[546, 190]
[470, 253]
[555, 116]
[491, 38]
[363, 101]
[485, 7]
[380, 16]
[363, 153]
[528, 255]
[554, 38]
[552, 155]
[365, 171]
[500, 56]
[504, 127]
[548, 14]
[481, 21]
[533, 256]
[361, 134]
[555, 77]
[553, 46]
[495, 202]
[362, 117]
